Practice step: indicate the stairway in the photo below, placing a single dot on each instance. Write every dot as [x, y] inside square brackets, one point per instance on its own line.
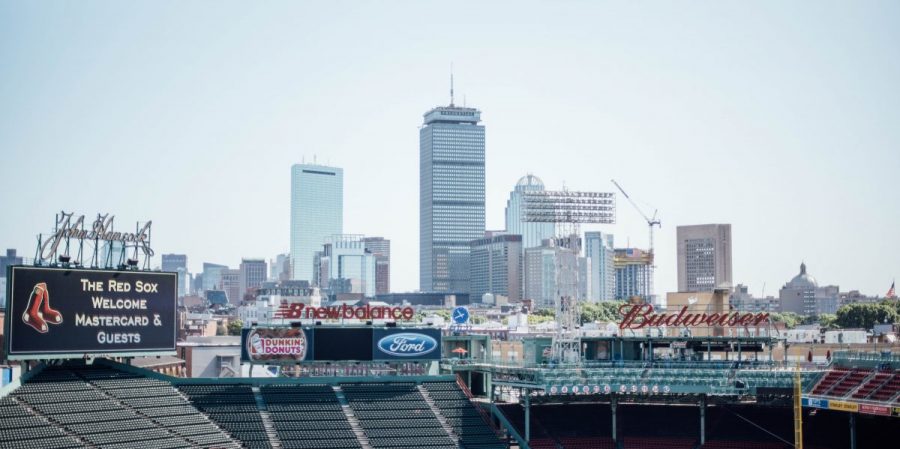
[274, 440]
[354, 421]
[437, 413]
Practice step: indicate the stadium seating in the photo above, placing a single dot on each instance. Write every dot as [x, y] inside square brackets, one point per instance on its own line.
[888, 390]
[587, 443]
[874, 382]
[630, 442]
[734, 444]
[408, 410]
[848, 383]
[308, 416]
[233, 407]
[828, 381]
[464, 419]
[77, 405]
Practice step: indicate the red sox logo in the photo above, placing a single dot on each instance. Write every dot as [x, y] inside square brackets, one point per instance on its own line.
[38, 312]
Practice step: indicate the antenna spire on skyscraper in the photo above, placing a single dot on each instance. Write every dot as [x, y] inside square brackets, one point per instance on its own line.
[451, 84]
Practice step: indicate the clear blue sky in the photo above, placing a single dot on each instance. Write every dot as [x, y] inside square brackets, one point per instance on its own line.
[781, 118]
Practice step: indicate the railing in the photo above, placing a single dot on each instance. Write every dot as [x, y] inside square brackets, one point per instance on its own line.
[859, 356]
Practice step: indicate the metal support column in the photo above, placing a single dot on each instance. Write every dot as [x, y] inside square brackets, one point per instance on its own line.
[527, 418]
[650, 342]
[702, 419]
[853, 431]
[612, 407]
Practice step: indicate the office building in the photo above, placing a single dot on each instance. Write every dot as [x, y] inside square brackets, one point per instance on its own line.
[212, 276]
[177, 263]
[280, 268]
[532, 233]
[704, 257]
[599, 248]
[802, 295]
[9, 259]
[253, 274]
[742, 300]
[231, 284]
[496, 267]
[380, 247]
[634, 274]
[317, 212]
[552, 270]
[346, 266]
[451, 196]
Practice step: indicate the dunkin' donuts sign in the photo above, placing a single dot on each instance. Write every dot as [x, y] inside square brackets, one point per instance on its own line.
[275, 345]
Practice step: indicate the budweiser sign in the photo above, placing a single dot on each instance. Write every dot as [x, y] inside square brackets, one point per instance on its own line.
[643, 315]
[299, 311]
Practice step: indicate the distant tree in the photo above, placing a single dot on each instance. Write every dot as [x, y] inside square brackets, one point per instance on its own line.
[601, 311]
[221, 329]
[478, 319]
[538, 319]
[234, 327]
[789, 319]
[866, 316]
[828, 321]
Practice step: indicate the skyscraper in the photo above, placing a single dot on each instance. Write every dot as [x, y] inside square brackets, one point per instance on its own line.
[552, 270]
[231, 284]
[253, 274]
[177, 263]
[212, 276]
[600, 250]
[532, 233]
[317, 212]
[704, 257]
[380, 247]
[346, 266]
[451, 196]
[634, 274]
[496, 266]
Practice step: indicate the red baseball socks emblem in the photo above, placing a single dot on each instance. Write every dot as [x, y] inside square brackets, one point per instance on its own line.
[38, 312]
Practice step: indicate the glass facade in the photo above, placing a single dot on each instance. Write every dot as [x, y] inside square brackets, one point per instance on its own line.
[496, 267]
[599, 248]
[451, 196]
[347, 266]
[533, 234]
[317, 212]
[634, 274]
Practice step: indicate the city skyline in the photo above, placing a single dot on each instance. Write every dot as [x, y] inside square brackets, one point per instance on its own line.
[804, 147]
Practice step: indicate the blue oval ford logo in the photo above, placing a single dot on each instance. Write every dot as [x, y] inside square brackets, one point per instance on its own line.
[407, 344]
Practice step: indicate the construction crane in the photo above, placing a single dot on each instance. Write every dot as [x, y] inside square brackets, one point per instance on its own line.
[651, 221]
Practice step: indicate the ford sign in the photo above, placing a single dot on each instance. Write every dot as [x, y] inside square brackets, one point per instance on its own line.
[407, 344]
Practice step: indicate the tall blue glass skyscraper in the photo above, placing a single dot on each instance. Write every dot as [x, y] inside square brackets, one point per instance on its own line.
[317, 213]
[451, 196]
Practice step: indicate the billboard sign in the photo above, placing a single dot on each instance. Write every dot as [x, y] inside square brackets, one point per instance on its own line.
[875, 409]
[815, 402]
[343, 343]
[276, 345]
[406, 344]
[67, 312]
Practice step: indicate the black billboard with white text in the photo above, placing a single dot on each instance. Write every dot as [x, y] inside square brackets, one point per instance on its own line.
[67, 312]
